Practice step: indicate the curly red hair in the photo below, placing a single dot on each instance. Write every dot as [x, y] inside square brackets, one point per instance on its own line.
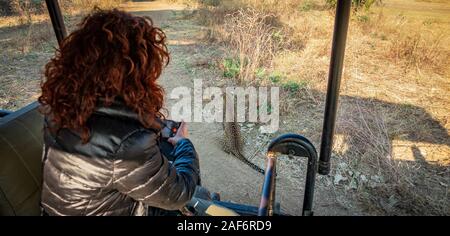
[112, 54]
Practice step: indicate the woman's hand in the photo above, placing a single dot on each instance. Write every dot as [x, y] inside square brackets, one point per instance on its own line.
[181, 134]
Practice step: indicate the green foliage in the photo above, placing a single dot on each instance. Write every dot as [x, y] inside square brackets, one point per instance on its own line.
[293, 86]
[212, 3]
[363, 18]
[231, 68]
[278, 37]
[407, 107]
[260, 73]
[356, 4]
[306, 5]
[366, 4]
[275, 77]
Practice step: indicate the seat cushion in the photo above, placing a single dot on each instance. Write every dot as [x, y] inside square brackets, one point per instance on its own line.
[21, 141]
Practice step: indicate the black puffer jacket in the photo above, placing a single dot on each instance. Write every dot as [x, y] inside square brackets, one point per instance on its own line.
[120, 171]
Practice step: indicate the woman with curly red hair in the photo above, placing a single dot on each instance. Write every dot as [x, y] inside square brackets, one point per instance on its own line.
[102, 104]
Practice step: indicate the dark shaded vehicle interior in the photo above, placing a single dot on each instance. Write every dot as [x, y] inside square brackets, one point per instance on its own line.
[20, 161]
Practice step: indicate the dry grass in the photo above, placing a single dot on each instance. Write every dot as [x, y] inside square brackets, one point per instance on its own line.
[27, 42]
[82, 6]
[250, 36]
[384, 184]
[30, 24]
[419, 52]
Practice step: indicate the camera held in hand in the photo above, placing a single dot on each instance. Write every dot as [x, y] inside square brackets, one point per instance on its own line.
[169, 130]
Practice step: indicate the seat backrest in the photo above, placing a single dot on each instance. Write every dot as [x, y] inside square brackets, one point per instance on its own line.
[21, 142]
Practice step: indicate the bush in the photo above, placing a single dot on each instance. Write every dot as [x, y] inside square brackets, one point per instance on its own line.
[252, 40]
[363, 18]
[307, 5]
[28, 7]
[212, 3]
[356, 4]
[231, 68]
[21, 7]
[275, 77]
[5, 8]
[293, 86]
[260, 73]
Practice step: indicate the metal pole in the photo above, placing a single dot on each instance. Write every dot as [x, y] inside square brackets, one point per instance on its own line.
[310, 181]
[266, 205]
[334, 80]
[57, 19]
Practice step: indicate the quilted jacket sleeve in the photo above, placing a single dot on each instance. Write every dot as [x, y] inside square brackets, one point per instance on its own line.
[157, 182]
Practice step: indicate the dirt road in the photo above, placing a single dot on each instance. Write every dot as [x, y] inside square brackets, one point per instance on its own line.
[221, 172]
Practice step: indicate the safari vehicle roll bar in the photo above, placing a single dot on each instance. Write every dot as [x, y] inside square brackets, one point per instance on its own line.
[334, 81]
[297, 145]
[57, 19]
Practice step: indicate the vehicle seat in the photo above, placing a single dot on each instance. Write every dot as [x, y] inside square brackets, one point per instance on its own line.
[21, 142]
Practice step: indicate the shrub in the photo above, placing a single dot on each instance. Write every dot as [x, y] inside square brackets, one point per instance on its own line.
[21, 7]
[231, 68]
[213, 3]
[275, 77]
[251, 39]
[293, 86]
[307, 5]
[356, 4]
